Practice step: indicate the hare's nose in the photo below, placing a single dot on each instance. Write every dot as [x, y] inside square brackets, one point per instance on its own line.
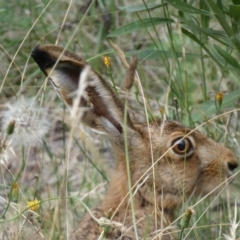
[232, 166]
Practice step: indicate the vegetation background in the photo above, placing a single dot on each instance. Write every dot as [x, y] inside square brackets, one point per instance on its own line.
[189, 67]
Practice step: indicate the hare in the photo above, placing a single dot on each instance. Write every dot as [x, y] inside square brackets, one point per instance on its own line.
[167, 161]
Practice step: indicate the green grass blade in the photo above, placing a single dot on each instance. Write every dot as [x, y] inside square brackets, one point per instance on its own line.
[139, 25]
[229, 59]
[158, 54]
[139, 8]
[183, 6]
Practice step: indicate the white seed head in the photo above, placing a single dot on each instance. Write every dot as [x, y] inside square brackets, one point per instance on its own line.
[233, 226]
[31, 122]
[6, 150]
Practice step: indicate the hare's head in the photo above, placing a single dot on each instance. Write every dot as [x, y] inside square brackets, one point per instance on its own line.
[186, 162]
[166, 156]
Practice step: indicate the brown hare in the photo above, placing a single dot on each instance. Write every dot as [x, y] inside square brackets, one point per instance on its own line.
[168, 162]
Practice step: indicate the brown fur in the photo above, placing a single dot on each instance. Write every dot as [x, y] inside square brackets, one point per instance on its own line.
[158, 189]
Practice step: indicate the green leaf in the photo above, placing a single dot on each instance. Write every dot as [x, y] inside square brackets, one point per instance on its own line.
[220, 5]
[234, 11]
[139, 25]
[218, 35]
[211, 52]
[236, 2]
[206, 110]
[229, 59]
[205, 19]
[183, 6]
[139, 8]
[158, 54]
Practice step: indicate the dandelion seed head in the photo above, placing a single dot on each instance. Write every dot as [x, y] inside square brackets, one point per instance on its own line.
[31, 123]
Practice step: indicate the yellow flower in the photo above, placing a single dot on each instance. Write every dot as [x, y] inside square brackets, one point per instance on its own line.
[15, 192]
[219, 97]
[15, 187]
[107, 61]
[34, 205]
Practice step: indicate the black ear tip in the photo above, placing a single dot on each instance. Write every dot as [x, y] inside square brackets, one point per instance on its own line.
[36, 52]
[42, 58]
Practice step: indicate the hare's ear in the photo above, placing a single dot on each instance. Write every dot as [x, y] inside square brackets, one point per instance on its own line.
[103, 109]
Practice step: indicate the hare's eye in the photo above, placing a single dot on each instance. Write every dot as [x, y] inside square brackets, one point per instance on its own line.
[182, 145]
